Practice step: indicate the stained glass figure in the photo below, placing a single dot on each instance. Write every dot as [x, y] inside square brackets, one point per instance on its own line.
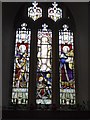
[21, 65]
[67, 73]
[44, 70]
[55, 13]
[34, 12]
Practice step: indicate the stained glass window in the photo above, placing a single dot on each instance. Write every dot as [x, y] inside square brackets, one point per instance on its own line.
[34, 12]
[21, 65]
[55, 13]
[44, 70]
[67, 73]
[21, 72]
